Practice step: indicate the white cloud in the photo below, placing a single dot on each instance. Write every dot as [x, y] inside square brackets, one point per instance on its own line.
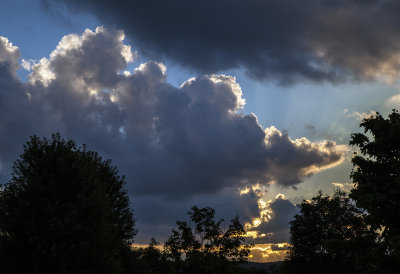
[9, 55]
[343, 185]
[395, 99]
[359, 116]
[27, 64]
[42, 72]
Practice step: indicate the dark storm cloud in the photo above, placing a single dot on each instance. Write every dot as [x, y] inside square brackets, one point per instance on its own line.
[286, 40]
[172, 142]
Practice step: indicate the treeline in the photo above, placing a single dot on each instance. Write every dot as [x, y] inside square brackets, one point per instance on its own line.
[65, 210]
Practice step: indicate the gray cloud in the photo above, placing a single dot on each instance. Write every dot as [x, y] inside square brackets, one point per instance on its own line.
[172, 142]
[284, 40]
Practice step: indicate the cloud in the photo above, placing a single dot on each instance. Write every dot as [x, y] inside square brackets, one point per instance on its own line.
[16, 112]
[273, 222]
[346, 186]
[27, 64]
[290, 160]
[283, 212]
[359, 116]
[395, 99]
[169, 141]
[9, 56]
[286, 41]
[163, 213]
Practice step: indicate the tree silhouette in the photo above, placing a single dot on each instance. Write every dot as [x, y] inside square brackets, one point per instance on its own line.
[206, 248]
[334, 234]
[376, 175]
[329, 236]
[64, 211]
[152, 260]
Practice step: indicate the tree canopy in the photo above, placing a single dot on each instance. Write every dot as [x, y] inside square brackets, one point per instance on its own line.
[329, 236]
[376, 175]
[64, 210]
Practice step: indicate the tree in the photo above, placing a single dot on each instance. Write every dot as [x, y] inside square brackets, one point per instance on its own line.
[152, 260]
[206, 248]
[376, 174]
[329, 236]
[64, 211]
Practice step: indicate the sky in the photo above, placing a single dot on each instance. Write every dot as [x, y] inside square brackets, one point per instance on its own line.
[244, 106]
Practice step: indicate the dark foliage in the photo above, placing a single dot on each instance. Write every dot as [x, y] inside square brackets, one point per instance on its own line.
[330, 236]
[336, 235]
[206, 248]
[151, 260]
[64, 211]
[376, 175]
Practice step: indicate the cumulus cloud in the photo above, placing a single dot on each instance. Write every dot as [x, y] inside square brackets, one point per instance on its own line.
[9, 56]
[169, 141]
[290, 160]
[286, 40]
[178, 146]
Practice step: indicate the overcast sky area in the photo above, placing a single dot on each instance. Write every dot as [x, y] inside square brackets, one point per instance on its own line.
[244, 106]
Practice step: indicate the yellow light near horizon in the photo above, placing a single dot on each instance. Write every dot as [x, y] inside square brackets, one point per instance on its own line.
[159, 247]
[263, 253]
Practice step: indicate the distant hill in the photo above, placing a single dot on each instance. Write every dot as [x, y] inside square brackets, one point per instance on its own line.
[265, 266]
